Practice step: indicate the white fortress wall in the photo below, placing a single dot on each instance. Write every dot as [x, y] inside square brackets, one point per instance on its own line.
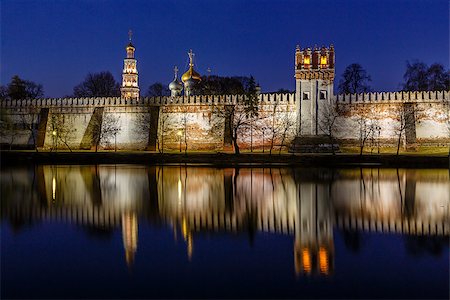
[431, 109]
[194, 117]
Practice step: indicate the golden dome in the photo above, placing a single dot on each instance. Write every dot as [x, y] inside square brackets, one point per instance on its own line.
[191, 73]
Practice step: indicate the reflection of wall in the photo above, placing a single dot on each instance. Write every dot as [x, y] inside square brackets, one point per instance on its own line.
[189, 191]
[224, 198]
[390, 200]
[196, 199]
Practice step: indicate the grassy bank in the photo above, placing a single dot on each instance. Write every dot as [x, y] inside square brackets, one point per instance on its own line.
[413, 160]
[421, 150]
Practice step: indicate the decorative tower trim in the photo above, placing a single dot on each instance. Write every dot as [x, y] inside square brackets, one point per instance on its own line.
[130, 83]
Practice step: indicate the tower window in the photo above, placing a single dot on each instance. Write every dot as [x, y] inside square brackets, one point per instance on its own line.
[323, 60]
[306, 60]
[323, 95]
[305, 95]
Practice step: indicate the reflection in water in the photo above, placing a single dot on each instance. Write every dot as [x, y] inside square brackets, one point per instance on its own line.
[307, 204]
[129, 234]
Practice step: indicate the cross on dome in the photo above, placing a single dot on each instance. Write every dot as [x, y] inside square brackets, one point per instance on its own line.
[130, 34]
[191, 58]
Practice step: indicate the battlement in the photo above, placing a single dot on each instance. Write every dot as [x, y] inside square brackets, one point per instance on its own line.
[317, 58]
[265, 99]
[394, 97]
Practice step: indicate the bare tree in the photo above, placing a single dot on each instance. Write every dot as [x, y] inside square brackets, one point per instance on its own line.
[406, 115]
[157, 89]
[415, 76]
[447, 121]
[365, 125]
[110, 129]
[62, 129]
[105, 127]
[21, 89]
[8, 130]
[165, 119]
[419, 77]
[286, 128]
[374, 137]
[100, 84]
[237, 119]
[328, 122]
[185, 119]
[273, 127]
[355, 79]
[29, 122]
[143, 126]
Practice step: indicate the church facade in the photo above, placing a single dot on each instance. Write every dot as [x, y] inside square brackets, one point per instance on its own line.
[184, 121]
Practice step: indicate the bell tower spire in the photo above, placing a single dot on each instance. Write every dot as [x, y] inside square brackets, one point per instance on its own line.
[130, 84]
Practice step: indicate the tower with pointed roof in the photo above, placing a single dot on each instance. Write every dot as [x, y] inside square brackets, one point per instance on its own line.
[130, 84]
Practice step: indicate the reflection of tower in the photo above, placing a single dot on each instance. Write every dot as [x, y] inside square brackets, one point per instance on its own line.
[187, 236]
[130, 85]
[313, 249]
[191, 77]
[129, 235]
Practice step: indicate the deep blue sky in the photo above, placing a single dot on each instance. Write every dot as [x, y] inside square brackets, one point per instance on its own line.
[57, 43]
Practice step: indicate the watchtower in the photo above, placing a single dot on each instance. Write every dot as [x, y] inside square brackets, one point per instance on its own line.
[314, 76]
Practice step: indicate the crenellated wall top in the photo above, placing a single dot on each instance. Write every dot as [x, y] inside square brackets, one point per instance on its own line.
[394, 97]
[265, 99]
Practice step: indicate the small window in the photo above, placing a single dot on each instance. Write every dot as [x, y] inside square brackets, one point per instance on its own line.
[305, 95]
[323, 95]
[306, 60]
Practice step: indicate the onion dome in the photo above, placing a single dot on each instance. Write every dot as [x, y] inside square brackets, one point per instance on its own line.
[175, 85]
[191, 73]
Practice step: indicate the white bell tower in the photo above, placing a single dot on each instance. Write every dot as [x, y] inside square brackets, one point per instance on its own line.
[130, 84]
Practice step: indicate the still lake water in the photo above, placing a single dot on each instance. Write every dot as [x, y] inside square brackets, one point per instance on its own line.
[133, 231]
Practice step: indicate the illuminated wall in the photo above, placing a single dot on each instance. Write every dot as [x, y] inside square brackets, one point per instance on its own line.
[190, 121]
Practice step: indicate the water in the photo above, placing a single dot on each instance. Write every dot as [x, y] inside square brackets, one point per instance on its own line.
[131, 231]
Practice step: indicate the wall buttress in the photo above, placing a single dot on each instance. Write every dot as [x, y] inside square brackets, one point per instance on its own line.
[42, 127]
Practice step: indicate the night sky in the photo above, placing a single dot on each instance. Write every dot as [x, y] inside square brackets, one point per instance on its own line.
[56, 43]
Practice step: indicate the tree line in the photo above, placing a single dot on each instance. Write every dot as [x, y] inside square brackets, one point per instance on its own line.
[417, 77]
[355, 79]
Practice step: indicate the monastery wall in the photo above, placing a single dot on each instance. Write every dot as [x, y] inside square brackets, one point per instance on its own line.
[166, 122]
[384, 110]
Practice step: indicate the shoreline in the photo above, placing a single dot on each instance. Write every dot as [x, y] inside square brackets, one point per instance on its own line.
[12, 158]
